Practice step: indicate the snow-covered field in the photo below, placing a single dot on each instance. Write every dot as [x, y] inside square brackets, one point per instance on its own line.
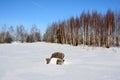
[27, 62]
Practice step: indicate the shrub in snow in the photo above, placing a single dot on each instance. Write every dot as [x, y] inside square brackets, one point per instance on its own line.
[57, 55]
[59, 61]
[56, 58]
[47, 60]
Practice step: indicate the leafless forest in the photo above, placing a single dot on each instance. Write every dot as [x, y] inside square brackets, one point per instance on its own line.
[9, 34]
[92, 29]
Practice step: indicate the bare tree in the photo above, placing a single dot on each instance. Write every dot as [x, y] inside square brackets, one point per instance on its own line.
[94, 25]
[72, 25]
[89, 28]
[110, 25]
[77, 27]
[5, 36]
[35, 33]
[68, 35]
[3, 33]
[48, 35]
[117, 29]
[99, 30]
[82, 18]
[20, 33]
[12, 32]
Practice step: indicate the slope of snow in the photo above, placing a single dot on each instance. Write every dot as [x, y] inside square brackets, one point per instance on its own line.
[27, 62]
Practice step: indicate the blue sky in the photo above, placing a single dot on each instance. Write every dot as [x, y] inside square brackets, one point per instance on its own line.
[44, 12]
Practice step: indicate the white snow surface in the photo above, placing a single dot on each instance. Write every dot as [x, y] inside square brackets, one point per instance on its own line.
[53, 61]
[26, 61]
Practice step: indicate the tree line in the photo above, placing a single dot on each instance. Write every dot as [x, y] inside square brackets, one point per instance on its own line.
[10, 34]
[92, 29]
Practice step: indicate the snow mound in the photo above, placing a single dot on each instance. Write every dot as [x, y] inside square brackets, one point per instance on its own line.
[53, 61]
